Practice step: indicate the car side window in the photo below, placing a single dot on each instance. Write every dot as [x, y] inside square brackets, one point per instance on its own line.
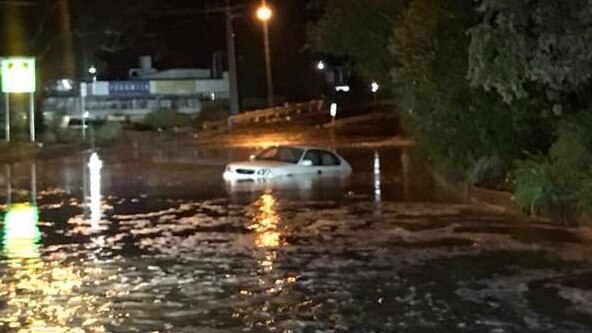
[268, 154]
[314, 157]
[329, 159]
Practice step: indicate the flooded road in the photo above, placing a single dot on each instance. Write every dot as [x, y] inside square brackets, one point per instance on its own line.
[152, 239]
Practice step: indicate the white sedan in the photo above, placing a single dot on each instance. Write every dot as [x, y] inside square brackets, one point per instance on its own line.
[288, 161]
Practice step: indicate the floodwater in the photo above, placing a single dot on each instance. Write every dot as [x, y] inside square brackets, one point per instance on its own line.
[151, 239]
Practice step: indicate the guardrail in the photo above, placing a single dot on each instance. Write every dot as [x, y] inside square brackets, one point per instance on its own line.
[284, 113]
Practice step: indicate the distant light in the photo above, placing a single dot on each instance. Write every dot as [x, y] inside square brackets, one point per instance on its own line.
[86, 114]
[264, 13]
[212, 96]
[342, 88]
[333, 110]
[374, 87]
[66, 84]
[321, 65]
[92, 70]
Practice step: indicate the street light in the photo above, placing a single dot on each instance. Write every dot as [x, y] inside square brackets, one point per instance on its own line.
[321, 65]
[374, 87]
[93, 72]
[264, 14]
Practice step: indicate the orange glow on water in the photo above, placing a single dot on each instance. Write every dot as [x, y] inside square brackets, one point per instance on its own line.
[43, 296]
[265, 223]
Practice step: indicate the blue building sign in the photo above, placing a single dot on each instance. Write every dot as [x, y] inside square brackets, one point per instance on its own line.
[129, 88]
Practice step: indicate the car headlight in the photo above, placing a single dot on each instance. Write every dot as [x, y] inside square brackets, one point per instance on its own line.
[264, 172]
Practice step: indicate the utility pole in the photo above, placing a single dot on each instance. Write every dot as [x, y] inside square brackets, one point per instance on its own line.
[230, 12]
[231, 50]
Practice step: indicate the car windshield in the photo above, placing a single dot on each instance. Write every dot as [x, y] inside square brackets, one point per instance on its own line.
[280, 154]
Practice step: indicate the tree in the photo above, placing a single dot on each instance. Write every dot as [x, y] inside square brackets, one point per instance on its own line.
[469, 134]
[358, 31]
[523, 45]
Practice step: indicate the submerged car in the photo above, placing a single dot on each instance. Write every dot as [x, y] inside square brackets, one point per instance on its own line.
[288, 161]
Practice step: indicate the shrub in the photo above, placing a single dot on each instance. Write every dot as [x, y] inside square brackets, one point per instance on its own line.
[167, 119]
[562, 180]
[108, 131]
[533, 185]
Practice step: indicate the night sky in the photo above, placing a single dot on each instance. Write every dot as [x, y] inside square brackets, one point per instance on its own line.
[190, 40]
[175, 41]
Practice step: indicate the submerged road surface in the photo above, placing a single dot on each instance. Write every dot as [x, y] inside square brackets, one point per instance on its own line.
[151, 239]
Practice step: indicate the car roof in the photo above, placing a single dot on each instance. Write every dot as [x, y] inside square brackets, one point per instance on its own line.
[302, 147]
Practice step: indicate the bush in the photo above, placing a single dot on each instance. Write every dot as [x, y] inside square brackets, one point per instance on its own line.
[167, 119]
[108, 132]
[533, 185]
[561, 181]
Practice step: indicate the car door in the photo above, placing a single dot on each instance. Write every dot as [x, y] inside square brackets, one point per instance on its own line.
[311, 162]
[320, 161]
[329, 161]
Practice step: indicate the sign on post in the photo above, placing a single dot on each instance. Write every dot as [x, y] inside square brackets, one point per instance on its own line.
[18, 76]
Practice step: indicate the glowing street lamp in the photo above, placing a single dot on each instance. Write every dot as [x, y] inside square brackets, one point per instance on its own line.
[374, 86]
[264, 14]
[93, 72]
[321, 65]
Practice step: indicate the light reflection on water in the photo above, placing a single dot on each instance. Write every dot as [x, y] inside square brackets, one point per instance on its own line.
[21, 232]
[95, 165]
[265, 223]
[42, 295]
[377, 180]
[94, 274]
[39, 294]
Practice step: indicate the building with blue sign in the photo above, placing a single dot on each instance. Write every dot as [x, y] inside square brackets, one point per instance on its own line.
[187, 91]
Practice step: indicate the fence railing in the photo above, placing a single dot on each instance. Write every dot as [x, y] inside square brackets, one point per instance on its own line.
[284, 113]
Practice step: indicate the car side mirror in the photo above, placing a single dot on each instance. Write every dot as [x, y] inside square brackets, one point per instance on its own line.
[306, 163]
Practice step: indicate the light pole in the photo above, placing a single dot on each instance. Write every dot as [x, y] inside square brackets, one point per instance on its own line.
[264, 14]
